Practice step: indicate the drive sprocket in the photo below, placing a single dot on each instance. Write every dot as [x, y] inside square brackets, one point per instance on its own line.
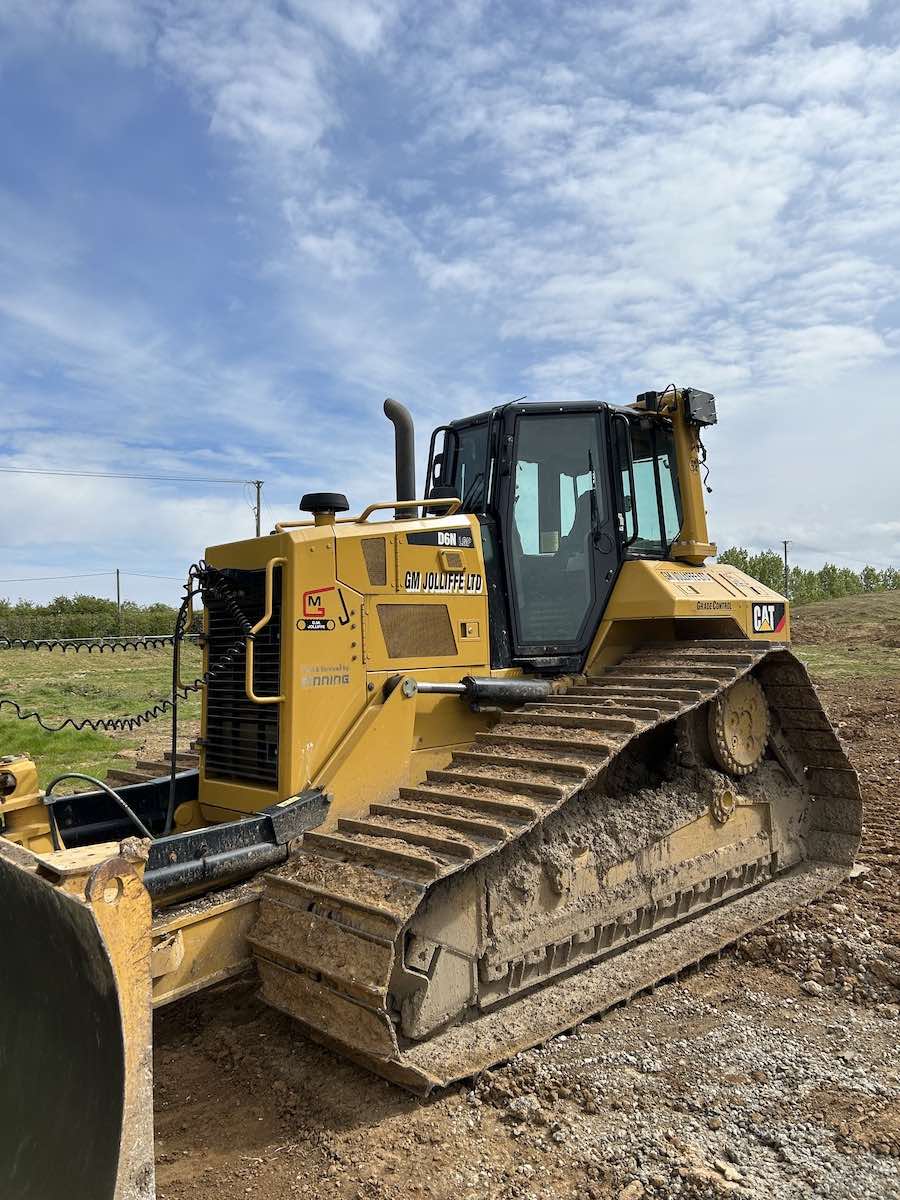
[738, 725]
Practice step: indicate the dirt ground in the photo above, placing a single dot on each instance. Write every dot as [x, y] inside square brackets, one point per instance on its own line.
[771, 1072]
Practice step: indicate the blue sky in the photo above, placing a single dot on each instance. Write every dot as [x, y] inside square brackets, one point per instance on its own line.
[228, 230]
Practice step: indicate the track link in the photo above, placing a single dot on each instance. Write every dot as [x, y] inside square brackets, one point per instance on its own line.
[334, 933]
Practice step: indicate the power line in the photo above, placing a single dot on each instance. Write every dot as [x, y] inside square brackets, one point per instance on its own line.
[145, 575]
[57, 471]
[119, 475]
[89, 575]
[41, 578]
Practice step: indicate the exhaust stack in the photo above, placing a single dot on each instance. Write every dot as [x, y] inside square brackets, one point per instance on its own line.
[404, 453]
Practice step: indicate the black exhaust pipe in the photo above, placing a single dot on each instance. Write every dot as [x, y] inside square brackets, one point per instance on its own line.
[404, 453]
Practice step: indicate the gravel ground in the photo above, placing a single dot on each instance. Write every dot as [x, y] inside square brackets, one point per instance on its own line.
[771, 1072]
[717, 1085]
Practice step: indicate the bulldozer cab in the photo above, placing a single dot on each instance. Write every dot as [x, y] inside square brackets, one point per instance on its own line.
[564, 495]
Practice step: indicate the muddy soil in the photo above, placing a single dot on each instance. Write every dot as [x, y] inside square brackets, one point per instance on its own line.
[772, 1072]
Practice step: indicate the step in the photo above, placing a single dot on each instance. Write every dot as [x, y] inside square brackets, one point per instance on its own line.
[565, 721]
[652, 668]
[664, 681]
[640, 691]
[376, 829]
[528, 764]
[189, 758]
[638, 712]
[543, 742]
[409, 812]
[622, 696]
[739, 645]
[522, 814]
[372, 855]
[118, 778]
[688, 658]
[155, 767]
[501, 783]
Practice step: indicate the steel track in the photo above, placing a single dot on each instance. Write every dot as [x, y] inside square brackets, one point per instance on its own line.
[335, 920]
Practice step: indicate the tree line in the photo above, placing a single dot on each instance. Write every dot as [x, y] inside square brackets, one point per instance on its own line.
[94, 616]
[83, 616]
[806, 585]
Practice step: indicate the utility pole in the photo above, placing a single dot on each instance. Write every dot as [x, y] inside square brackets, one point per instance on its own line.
[118, 601]
[257, 511]
[786, 571]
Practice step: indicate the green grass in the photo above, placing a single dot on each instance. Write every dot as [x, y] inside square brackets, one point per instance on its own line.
[846, 662]
[852, 637]
[853, 612]
[86, 685]
[90, 753]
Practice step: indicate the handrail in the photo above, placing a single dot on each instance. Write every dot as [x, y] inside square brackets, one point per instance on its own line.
[620, 416]
[451, 503]
[261, 624]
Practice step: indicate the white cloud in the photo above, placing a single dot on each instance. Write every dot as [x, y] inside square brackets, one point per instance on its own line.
[119, 27]
[359, 24]
[459, 203]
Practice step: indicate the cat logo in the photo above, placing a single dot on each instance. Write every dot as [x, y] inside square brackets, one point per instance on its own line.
[768, 618]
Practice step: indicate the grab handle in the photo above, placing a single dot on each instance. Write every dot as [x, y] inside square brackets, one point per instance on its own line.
[619, 416]
[451, 503]
[261, 624]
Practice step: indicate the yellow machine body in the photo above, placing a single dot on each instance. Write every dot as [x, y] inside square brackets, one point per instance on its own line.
[362, 602]
[418, 924]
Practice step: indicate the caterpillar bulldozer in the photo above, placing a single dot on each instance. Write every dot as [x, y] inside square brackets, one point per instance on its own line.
[475, 765]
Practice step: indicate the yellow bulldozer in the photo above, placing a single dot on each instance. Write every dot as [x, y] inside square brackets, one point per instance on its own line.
[475, 765]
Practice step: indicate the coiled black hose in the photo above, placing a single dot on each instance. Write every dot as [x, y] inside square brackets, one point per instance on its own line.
[204, 581]
[144, 641]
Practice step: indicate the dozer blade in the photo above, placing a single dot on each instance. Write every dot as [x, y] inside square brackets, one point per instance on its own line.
[76, 1105]
[588, 847]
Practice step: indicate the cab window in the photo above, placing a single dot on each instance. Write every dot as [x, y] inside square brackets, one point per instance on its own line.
[652, 516]
[468, 448]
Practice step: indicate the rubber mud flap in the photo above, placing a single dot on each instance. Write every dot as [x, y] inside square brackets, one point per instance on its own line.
[67, 1079]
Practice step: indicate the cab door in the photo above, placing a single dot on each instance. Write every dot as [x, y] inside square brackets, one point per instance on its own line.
[560, 541]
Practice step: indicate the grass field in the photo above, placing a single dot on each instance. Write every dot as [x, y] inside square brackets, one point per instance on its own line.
[81, 685]
[855, 637]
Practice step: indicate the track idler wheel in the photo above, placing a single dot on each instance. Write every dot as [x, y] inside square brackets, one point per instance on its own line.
[738, 725]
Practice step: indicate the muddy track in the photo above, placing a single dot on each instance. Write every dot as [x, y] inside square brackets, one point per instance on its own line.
[342, 922]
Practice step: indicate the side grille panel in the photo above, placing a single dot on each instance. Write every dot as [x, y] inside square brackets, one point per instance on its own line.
[375, 553]
[417, 630]
[242, 737]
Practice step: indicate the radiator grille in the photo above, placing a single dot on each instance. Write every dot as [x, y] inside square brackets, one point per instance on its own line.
[241, 738]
